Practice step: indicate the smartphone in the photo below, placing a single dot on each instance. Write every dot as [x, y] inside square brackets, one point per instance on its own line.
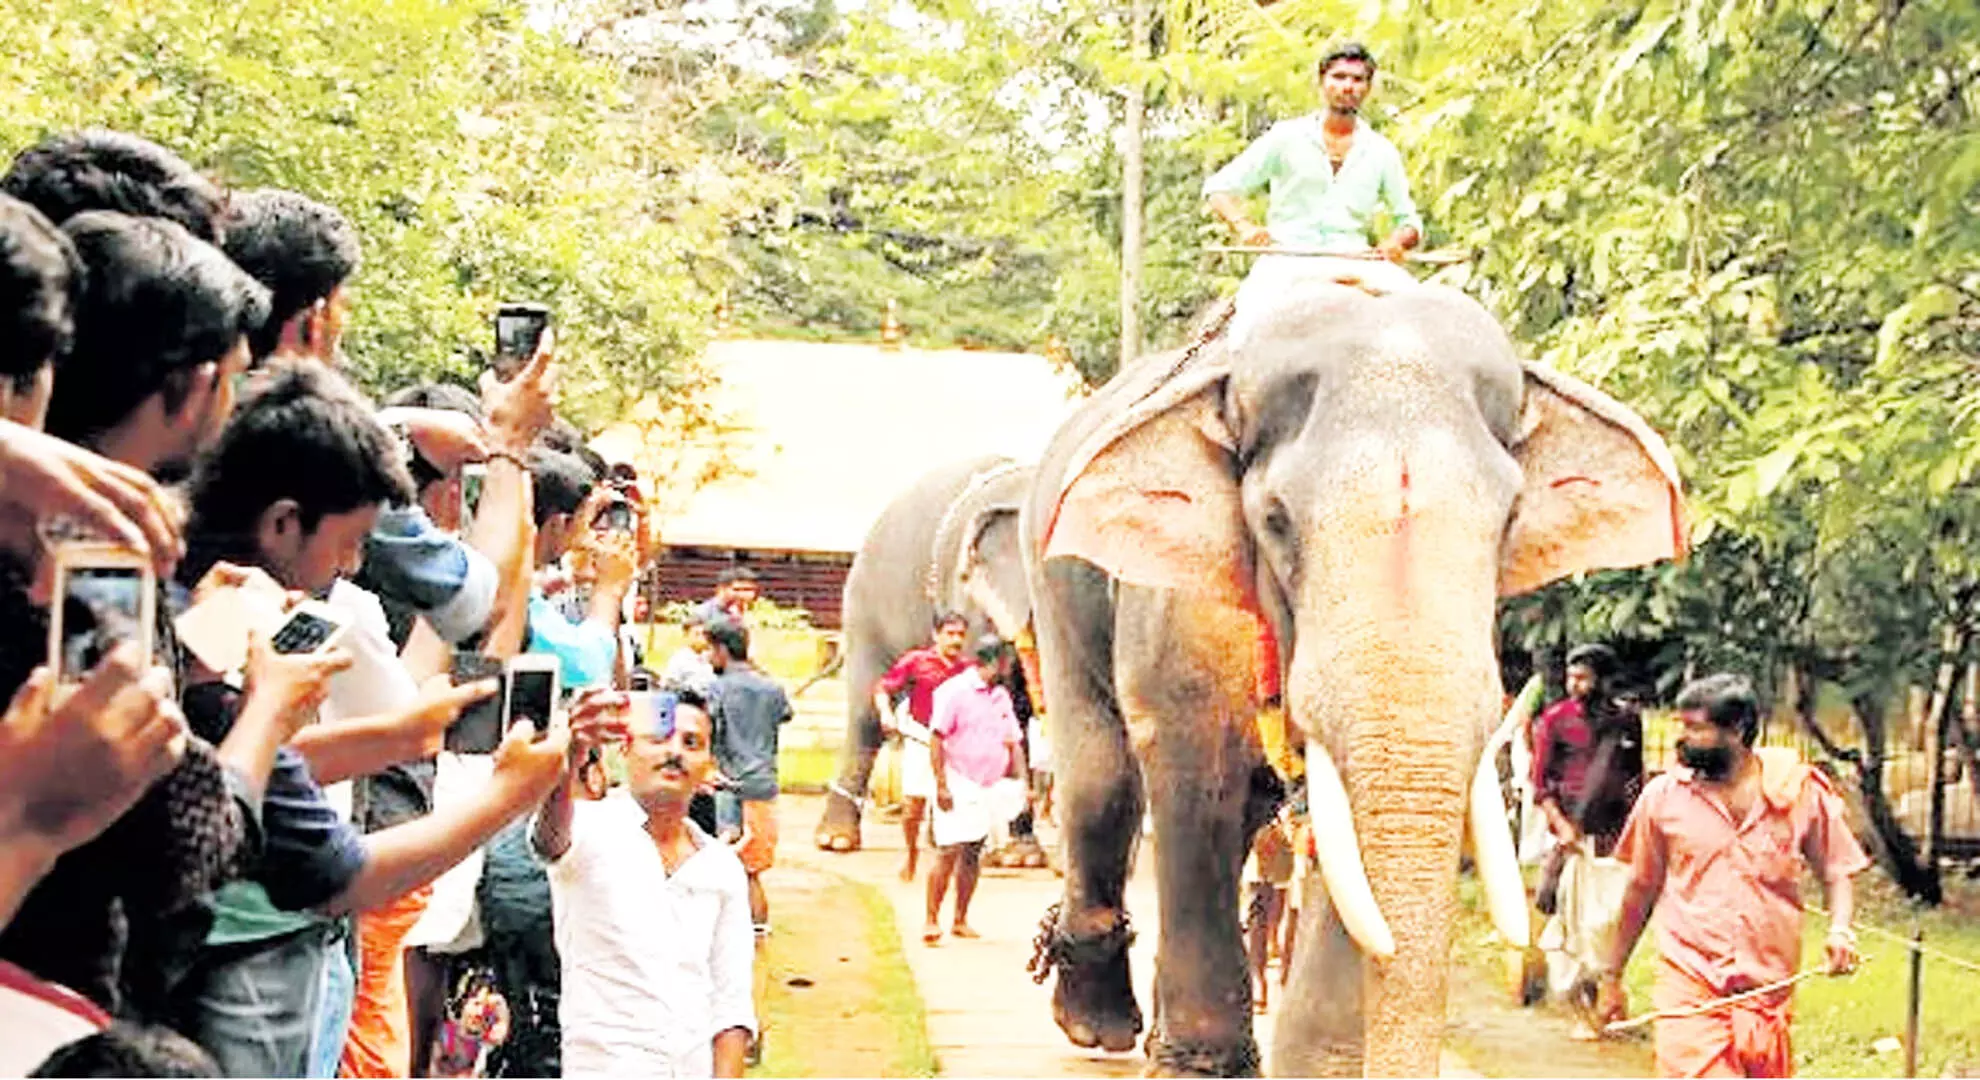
[473, 477]
[530, 692]
[478, 730]
[615, 516]
[518, 330]
[104, 596]
[312, 626]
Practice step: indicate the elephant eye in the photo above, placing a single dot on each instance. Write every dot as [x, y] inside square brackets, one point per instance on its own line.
[1278, 522]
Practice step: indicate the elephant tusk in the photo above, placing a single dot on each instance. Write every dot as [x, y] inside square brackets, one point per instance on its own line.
[1339, 854]
[1497, 859]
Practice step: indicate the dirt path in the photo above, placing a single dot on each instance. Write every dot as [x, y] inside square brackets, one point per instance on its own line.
[985, 1016]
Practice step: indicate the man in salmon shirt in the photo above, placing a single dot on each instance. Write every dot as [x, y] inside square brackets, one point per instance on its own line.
[1717, 846]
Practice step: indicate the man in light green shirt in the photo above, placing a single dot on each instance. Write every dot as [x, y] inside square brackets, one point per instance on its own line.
[1327, 172]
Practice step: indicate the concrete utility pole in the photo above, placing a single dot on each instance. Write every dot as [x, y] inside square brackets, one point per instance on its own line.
[1131, 191]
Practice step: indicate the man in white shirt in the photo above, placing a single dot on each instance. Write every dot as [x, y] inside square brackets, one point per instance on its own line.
[652, 913]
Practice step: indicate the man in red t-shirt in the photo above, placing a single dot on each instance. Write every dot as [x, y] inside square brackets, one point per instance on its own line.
[915, 676]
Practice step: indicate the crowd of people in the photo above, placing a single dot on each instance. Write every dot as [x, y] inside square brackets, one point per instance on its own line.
[246, 824]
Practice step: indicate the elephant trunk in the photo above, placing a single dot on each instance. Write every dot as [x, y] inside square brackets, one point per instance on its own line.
[1394, 673]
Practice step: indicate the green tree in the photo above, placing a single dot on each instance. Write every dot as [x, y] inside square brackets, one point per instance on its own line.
[481, 160]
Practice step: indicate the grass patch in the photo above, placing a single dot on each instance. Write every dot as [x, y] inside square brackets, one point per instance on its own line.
[808, 769]
[831, 1002]
[790, 656]
[897, 996]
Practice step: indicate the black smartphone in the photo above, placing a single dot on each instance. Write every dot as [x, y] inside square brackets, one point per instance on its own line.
[518, 330]
[312, 626]
[478, 730]
[531, 692]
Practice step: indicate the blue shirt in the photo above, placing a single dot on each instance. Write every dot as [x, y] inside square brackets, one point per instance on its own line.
[1312, 204]
[408, 560]
[587, 653]
[309, 853]
[748, 709]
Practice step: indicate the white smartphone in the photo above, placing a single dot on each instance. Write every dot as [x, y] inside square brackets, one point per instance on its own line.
[312, 626]
[105, 595]
[472, 479]
[529, 691]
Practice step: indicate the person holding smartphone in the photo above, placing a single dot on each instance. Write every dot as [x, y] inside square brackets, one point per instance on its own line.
[294, 487]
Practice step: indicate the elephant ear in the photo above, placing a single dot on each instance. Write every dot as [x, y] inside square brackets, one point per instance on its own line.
[1601, 489]
[1152, 497]
[990, 528]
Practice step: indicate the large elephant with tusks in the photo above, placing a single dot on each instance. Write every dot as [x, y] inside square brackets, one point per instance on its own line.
[950, 542]
[1330, 502]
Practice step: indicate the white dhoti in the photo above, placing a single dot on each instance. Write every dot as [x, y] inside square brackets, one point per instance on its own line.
[1274, 277]
[917, 770]
[972, 812]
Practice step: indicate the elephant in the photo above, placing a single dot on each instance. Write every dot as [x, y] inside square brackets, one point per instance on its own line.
[948, 542]
[1323, 513]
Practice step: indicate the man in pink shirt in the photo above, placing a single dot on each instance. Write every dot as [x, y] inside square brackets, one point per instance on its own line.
[1717, 846]
[975, 743]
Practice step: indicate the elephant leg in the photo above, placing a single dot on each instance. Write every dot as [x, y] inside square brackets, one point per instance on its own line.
[1319, 1028]
[1086, 938]
[838, 827]
[1186, 685]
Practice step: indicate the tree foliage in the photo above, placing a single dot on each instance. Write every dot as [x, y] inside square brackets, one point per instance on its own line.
[480, 159]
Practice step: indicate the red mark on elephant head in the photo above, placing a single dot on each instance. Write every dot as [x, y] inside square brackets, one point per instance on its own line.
[1566, 480]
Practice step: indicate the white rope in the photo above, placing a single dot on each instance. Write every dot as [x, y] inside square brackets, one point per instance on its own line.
[1713, 1005]
[1901, 939]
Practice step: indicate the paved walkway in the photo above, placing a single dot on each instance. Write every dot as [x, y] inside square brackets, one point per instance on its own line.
[985, 1016]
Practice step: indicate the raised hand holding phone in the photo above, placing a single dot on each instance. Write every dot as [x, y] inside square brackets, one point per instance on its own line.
[73, 759]
[296, 683]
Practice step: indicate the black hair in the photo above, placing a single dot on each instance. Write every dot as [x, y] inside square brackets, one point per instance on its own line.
[300, 432]
[156, 302]
[436, 395]
[562, 436]
[130, 1049]
[686, 696]
[1597, 658]
[948, 617]
[1728, 701]
[299, 248]
[989, 648]
[66, 175]
[737, 572]
[1343, 52]
[40, 275]
[730, 635]
[561, 483]
[593, 461]
[432, 396]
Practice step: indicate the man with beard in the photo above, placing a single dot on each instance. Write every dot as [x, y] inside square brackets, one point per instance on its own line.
[1717, 847]
[652, 913]
[1328, 172]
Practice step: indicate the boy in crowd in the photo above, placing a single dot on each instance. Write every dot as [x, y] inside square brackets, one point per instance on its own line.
[294, 487]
